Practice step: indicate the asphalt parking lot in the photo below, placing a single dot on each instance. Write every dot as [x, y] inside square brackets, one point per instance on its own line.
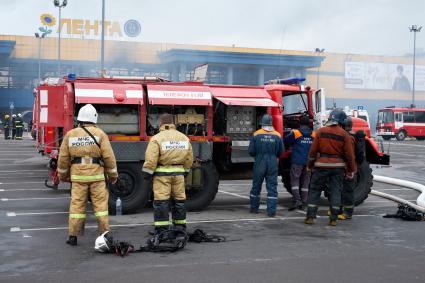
[369, 248]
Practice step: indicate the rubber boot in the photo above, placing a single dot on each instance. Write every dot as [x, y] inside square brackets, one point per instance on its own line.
[72, 241]
[309, 221]
[332, 222]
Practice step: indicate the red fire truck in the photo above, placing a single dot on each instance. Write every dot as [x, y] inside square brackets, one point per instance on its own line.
[401, 123]
[219, 120]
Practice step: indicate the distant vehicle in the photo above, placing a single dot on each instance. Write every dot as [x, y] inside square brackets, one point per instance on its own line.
[401, 123]
[359, 113]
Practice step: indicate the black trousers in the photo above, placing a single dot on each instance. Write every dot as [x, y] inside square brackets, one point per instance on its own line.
[348, 196]
[334, 177]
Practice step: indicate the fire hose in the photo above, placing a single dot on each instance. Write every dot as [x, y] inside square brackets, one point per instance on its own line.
[420, 206]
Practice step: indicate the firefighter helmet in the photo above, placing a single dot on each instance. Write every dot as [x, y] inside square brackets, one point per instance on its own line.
[6, 116]
[266, 120]
[14, 116]
[88, 114]
[19, 115]
[337, 116]
[103, 243]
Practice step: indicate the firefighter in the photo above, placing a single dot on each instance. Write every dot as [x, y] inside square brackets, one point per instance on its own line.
[168, 159]
[265, 146]
[19, 126]
[13, 126]
[6, 127]
[86, 158]
[300, 142]
[331, 157]
[358, 140]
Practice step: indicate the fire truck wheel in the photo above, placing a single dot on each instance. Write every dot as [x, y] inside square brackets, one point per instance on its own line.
[363, 183]
[420, 138]
[401, 135]
[131, 188]
[198, 199]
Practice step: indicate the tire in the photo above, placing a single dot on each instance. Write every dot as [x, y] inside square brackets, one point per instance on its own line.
[199, 199]
[364, 183]
[387, 138]
[420, 138]
[131, 188]
[401, 135]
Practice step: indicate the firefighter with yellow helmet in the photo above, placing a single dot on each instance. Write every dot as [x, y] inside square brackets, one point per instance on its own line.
[168, 158]
[6, 127]
[86, 157]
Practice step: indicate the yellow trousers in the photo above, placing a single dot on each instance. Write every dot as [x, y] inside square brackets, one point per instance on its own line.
[166, 187]
[77, 211]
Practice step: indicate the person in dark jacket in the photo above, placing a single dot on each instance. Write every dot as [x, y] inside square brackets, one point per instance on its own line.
[265, 146]
[347, 197]
[331, 156]
[13, 124]
[300, 142]
[6, 127]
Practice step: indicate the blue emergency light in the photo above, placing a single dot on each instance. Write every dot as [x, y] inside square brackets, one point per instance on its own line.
[287, 81]
[72, 77]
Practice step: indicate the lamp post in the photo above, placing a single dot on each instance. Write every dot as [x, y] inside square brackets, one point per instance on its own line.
[318, 52]
[60, 6]
[102, 48]
[40, 36]
[414, 29]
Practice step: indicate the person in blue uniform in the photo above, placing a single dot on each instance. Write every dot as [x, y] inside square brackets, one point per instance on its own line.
[265, 146]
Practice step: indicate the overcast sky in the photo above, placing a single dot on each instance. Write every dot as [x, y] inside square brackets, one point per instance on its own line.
[344, 26]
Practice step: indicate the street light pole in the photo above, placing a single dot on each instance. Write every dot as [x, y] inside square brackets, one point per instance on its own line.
[102, 48]
[60, 6]
[39, 37]
[414, 29]
[318, 51]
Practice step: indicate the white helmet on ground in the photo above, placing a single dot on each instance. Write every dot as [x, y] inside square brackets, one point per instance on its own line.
[103, 243]
[88, 114]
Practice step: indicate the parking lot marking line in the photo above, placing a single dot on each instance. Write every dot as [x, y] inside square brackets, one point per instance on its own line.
[15, 190]
[15, 183]
[19, 171]
[406, 144]
[18, 229]
[18, 199]
[13, 214]
[379, 201]
[405, 154]
[233, 194]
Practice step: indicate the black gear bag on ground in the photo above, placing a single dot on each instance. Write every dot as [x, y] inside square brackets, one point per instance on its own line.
[408, 213]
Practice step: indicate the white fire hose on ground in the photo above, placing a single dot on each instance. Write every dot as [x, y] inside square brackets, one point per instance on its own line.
[420, 206]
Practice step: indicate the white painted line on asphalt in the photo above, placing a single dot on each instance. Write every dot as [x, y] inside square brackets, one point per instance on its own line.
[406, 144]
[19, 199]
[15, 183]
[15, 190]
[405, 154]
[379, 201]
[13, 214]
[233, 194]
[18, 229]
[19, 171]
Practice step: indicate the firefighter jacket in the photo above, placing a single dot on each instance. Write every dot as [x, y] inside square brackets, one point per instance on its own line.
[18, 122]
[300, 142]
[265, 144]
[80, 154]
[6, 123]
[168, 153]
[333, 147]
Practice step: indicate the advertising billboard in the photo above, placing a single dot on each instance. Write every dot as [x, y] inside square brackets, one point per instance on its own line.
[383, 76]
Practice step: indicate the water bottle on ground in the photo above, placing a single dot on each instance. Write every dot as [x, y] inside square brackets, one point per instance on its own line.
[118, 207]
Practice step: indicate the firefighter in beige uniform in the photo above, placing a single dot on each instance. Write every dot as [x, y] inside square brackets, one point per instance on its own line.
[168, 158]
[85, 163]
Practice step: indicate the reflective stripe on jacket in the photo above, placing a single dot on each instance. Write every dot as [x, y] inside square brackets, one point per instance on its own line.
[168, 153]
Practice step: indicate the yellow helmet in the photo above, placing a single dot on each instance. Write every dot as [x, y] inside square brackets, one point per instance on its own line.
[6, 116]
